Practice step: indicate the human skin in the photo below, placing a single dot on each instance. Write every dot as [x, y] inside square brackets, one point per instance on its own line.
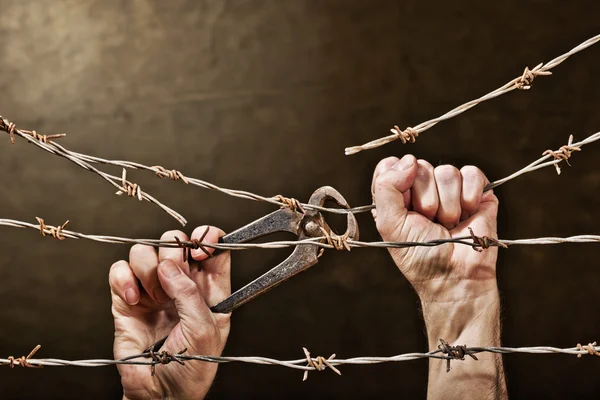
[158, 293]
[456, 285]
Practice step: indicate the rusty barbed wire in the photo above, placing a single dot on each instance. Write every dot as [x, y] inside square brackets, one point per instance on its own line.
[476, 242]
[522, 82]
[282, 201]
[131, 189]
[562, 154]
[308, 363]
[125, 187]
[120, 183]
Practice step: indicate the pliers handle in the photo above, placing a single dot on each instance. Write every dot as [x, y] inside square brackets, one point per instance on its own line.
[305, 224]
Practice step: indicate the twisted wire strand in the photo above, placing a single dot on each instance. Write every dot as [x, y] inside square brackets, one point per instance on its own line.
[83, 160]
[301, 363]
[123, 186]
[542, 161]
[317, 241]
[161, 172]
[538, 164]
[119, 183]
[522, 82]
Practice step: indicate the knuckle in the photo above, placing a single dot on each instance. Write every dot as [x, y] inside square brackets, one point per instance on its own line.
[139, 250]
[425, 168]
[386, 163]
[472, 173]
[470, 170]
[446, 173]
[382, 180]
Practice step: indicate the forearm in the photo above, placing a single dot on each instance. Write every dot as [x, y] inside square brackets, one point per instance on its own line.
[468, 321]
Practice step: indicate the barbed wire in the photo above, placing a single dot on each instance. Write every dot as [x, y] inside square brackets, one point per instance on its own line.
[59, 232]
[122, 185]
[562, 154]
[132, 189]
[474, 241]
[308, 363]
[522, 82]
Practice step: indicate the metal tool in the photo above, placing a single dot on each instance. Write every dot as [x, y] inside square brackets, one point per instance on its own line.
[305, 224]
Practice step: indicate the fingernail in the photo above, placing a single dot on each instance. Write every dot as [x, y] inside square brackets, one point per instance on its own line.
[131, 297]
[160, 295]
[404, 164]
[170, 269]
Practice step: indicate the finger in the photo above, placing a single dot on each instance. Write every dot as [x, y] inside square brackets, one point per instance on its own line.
[388, 194]
[193, 311]
[123, 283]
[383, 166]
[144, 262]
[216, 283]
[205, 234]
[473, 182]
[425, 198]
[449, 182]
[173, 253]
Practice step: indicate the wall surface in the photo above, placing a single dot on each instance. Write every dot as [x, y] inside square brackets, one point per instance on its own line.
[264, 96]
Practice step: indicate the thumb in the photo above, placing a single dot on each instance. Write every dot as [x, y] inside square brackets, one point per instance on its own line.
[193, 311]
[390, 196]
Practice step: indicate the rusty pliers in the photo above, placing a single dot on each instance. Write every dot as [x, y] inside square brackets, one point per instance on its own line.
[305, 224]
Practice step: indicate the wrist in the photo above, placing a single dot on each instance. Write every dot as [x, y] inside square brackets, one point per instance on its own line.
[464, 316]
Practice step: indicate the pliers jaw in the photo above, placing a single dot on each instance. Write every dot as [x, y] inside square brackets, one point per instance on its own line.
[309, 224]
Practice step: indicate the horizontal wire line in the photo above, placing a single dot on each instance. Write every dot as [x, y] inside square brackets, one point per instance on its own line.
[317, 241]
[301, 363]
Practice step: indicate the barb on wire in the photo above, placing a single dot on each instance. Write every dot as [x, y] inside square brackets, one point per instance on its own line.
[24, 361]
[475, 242]
[457, 352]
[590, 348]
[164, 358]
[308, 363]
[562, 154]
[484, 242]
[120, 183]
[326, 242]
[125, 187]
[319, 363]
[54, 231]
[522, 82]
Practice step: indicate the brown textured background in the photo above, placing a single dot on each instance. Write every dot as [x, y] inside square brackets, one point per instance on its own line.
[264, 95]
